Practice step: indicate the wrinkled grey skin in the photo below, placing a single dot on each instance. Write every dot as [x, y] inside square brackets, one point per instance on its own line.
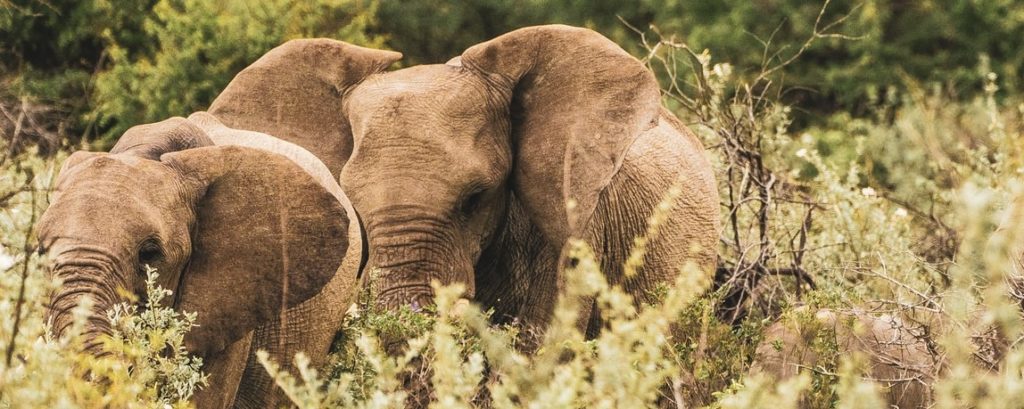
[460, 173]
[463, 172]
[252, 233]
[896, 359]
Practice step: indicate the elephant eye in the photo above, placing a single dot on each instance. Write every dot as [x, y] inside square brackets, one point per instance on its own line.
[149, 252]
[472, 202]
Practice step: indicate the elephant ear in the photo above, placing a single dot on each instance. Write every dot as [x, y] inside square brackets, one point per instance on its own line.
[577, 102]
[295, 93]
[152, 140]
[267, 237]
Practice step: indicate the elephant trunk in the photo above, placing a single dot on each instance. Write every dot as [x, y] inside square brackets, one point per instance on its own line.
[402, 267]
[82, 278]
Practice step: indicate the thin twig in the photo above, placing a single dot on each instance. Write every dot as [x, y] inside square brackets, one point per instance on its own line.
[27, 250]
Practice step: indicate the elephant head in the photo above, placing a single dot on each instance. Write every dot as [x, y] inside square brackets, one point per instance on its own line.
[543, 115]
[238, 233]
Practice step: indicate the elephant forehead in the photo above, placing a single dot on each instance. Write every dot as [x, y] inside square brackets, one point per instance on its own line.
[107, 199]
[118, 177]
[428, 111]
[115, 168]
[432, 120]
[423, 93]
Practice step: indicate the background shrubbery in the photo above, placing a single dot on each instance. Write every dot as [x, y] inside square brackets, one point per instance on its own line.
[865, 156]
[108, 64]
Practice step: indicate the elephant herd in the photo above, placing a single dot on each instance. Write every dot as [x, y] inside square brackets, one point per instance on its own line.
[317, 172]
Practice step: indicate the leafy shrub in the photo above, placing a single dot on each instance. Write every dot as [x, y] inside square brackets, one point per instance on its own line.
[914, 247]
[628, 365]
[875, 47]
[204, 44]
[155, 335]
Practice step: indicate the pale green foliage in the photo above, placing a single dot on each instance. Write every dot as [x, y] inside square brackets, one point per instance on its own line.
[626, 366]
[205, 43]
[155, 335]
[961, 162]
[758, 389]
[309, 391]
[854, 391]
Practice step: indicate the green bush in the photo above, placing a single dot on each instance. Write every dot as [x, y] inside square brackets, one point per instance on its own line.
[875, 47]
[111, 64]
[107, 65]
[204, 44]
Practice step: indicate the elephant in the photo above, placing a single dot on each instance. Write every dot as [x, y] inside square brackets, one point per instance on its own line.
[253, 234]
[900, 361]
[480, 171]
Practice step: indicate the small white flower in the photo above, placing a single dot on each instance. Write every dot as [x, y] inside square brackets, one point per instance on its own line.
[6, 260]
[722, 70]
[901, 212]
[869, 192]
[802, 153]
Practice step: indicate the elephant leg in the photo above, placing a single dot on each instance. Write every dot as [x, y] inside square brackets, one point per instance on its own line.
[256, 388]
[309, 327]
[517, 277]
[225, 372]
[667, 156]
[664, 157]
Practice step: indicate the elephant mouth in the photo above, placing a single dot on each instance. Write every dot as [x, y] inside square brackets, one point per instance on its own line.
[418, 297]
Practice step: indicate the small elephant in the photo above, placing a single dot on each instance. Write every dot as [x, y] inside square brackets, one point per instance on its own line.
[251, 232]
[480, 170]
[897, 360]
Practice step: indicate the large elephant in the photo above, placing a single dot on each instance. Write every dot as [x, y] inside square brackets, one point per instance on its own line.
[480, 170]
[897, 359]
[251, 232]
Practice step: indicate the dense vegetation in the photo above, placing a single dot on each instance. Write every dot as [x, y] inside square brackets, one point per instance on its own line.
[865, 151]
[100, 66]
